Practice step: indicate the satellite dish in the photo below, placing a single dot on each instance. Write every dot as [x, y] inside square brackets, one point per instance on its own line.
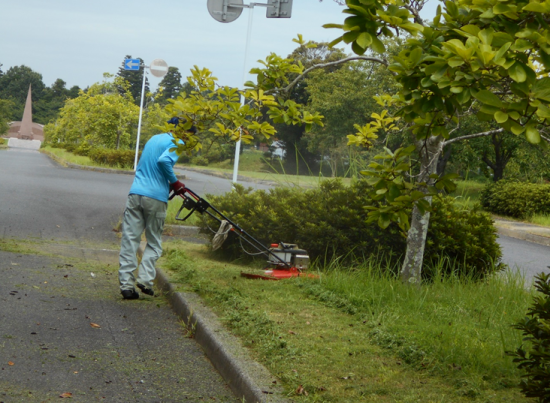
[230, 14]
[158, 68]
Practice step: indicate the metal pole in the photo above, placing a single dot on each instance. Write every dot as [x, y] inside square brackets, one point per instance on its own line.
[238, 145]
[140, 112]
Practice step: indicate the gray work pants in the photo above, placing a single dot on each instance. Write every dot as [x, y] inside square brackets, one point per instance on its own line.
[141, 214]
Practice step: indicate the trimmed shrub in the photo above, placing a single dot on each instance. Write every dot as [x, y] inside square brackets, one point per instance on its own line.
[83, 149]
[331, 222]
[536, 331]
[516, 199]
[113, 158]
[200, 161]
[184, 158]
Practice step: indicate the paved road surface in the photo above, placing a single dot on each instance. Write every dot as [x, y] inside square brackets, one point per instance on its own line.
[527, 257]
[40, 199]
[64, 330]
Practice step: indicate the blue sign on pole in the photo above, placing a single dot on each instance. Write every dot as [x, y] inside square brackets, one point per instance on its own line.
[131, 64]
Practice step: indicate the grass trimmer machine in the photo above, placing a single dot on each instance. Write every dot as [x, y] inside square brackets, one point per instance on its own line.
[284, 260]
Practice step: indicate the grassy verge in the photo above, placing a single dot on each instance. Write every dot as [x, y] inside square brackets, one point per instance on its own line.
[540, 219]
[253, 165]
[468, 192]
[358, 336]
[69, 157]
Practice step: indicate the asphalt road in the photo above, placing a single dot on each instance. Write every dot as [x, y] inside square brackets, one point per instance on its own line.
[526, 257]
[64, 329]
[41, 199]
[67, 333]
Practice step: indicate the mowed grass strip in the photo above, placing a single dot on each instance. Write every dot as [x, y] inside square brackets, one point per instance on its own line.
[357, 336]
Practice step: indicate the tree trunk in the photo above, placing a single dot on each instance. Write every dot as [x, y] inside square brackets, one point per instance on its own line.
[443, 160]
[117, 139]
[411, 271]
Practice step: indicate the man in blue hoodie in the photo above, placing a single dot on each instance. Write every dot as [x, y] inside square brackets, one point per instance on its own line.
[146, 211]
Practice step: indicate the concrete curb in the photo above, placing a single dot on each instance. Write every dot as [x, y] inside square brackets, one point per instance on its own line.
[523, 235]
[248, 379]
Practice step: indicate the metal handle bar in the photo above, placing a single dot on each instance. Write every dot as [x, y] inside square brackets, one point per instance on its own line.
[202, 206]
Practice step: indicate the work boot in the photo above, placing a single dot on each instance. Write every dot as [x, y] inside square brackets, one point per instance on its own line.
[129, 294]
[146, 290]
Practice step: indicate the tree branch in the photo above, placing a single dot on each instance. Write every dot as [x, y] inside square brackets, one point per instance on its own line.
[320, 66]
[545, 138]
[473, 136]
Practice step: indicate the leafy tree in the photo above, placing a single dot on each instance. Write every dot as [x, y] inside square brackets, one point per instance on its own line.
[135, 79]
[490, 59]
[100, 117]
[154, 118]
[14, 85]
[217, 110]
[170, 84]
[292, 137]
[6, 107]
[345, 97]
[73, 91]
[531, 163]
[52, 100]
[46, 101]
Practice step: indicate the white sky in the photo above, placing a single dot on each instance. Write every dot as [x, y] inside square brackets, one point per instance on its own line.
[78, 40]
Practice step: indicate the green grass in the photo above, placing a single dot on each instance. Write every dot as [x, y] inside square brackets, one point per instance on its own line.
[540, 219]
[173, 207]
[468, 192]
[253, 165]
[69, 157]
[354, 335]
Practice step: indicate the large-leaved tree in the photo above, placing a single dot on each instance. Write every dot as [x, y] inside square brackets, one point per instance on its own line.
[98, 118]
[488, 58]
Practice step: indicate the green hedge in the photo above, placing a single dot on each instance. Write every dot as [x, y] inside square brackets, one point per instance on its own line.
[113, 158]
[516, 199]
[330, 222]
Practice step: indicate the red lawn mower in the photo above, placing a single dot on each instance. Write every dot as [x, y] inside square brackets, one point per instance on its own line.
[285, 260]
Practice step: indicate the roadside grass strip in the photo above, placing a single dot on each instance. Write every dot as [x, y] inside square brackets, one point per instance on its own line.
[355, 335]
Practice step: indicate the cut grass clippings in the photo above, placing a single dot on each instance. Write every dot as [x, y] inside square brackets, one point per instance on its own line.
[357, 336]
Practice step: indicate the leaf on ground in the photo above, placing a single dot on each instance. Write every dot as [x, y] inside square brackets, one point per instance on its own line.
[301, 391]
[11, 363]
[95, 325]
[66, 395]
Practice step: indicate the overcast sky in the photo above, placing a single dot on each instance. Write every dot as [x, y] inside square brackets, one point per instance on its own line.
[78, 41]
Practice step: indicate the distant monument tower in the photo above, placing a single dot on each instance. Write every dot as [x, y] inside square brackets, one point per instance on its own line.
[25, 130]
[26, 134]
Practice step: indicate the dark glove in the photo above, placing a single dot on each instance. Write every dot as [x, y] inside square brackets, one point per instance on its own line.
[177, 188]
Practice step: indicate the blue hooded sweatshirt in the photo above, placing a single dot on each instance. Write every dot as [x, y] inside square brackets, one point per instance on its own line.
[155, 170]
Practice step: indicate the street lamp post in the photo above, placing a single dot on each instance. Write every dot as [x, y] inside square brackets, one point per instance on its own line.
[228, 11]
[158, 68]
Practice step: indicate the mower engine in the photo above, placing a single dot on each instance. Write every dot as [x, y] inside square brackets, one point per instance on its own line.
[290, 254]
[286, 261]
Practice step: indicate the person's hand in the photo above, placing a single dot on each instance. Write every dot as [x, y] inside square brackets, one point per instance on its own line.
[178, 188]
